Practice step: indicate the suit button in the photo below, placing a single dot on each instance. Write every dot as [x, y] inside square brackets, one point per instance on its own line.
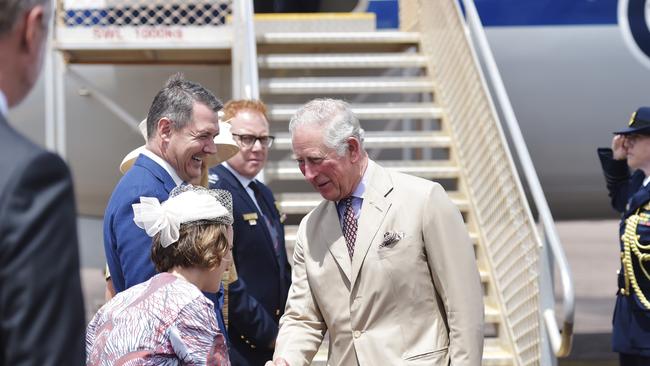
[253, 346]
[242, 337]
[277, 311]
[356, 334]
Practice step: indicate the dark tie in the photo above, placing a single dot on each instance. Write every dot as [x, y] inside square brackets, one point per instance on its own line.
[266, 214]
[350, 225]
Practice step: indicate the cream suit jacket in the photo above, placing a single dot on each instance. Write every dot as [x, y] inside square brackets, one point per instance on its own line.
[418, 301]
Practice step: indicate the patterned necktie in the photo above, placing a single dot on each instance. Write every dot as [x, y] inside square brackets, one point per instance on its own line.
[266, 214]
[350, 225]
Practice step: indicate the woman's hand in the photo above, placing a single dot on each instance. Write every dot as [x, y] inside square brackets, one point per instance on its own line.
[619, 147]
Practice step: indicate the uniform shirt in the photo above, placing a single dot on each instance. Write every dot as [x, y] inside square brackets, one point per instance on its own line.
[4, 107]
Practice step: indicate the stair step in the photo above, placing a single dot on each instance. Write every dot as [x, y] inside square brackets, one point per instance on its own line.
[369, 111]
[341, 60]
[386, 139]
[302, 203]
[292, 38]
[491, 313]
[429, 169]
[496, 355]
[346, 85]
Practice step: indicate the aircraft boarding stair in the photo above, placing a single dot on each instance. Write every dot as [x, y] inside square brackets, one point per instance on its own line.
[419, 93]
[386, 77]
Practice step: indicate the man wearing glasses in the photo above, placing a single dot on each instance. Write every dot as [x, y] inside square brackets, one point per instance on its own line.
[257, 303]
[627, 173]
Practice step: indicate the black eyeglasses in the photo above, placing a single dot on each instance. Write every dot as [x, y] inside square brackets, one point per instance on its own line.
[249, 140]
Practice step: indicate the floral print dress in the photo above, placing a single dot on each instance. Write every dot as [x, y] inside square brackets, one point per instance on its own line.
[163, 321]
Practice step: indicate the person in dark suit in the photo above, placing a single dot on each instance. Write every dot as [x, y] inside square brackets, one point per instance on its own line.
[257, 302]
[181, 126]
[627, 172]
[41, 304]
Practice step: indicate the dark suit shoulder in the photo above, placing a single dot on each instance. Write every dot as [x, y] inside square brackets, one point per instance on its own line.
[220, 177]
[36, 171]
[19, 155]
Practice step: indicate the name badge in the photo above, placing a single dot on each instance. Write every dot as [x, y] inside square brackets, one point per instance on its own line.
[283, 216]
[251, 218]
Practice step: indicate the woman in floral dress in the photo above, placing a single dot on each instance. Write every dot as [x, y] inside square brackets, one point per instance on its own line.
[167, 320]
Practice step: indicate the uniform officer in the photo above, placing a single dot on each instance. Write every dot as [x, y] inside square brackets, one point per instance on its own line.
[257, 300]
[627, 172]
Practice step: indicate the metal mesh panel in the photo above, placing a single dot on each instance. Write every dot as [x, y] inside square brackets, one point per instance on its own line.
[501, 212]
[146, 13]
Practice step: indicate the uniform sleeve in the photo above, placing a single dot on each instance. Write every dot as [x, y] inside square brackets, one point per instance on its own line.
[302, 326]
[617, 178]
[250, 316]
[41, 304]
[195, 336]
[455, 275]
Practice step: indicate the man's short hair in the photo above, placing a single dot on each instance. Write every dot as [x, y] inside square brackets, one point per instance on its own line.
[233, 107]
[334, 117]
[12, 10]
[176, 102]
[199, 245]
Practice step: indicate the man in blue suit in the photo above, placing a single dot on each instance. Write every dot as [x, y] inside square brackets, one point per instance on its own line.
[181, 126]
[257, 303]
[627, 173]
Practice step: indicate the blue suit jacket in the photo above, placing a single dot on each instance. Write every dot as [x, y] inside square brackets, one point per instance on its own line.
[258, 298]
[631, 324]
[128, 247]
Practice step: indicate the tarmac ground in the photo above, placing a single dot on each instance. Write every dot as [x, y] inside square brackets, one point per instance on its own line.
[592, 251]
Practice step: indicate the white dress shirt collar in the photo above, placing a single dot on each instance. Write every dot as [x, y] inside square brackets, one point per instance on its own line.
[243, 180]
[245, 183]
[357, 202]
[165, 165]
[4, 105]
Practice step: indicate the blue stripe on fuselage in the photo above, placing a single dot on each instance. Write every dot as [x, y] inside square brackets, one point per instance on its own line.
[546, 12]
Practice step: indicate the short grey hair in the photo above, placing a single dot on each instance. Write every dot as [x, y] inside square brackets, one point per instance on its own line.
[176, 102]
[12, 10]
[334, 117]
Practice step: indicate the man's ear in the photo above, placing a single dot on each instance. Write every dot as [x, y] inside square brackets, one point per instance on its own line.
[33, 30]
[354, 149]
[164, 128]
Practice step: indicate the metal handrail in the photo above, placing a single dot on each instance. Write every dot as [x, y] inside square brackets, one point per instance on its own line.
[560, 341]
[244, 52]
[361, 7]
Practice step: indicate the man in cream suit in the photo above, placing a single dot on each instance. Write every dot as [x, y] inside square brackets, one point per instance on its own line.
[384, 263]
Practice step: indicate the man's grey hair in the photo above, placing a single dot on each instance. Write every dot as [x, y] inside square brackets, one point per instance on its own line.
[176, 102]
[12, 10]
[334, 117]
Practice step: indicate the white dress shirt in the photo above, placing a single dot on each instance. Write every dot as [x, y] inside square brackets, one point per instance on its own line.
[165, 165]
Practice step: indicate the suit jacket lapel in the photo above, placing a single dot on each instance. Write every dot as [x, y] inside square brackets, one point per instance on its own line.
[330, 232]
[158, 171]
[240, 190]
[373, 211]
[638, 199]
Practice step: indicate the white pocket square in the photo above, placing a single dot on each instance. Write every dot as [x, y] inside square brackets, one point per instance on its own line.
[391, 237]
